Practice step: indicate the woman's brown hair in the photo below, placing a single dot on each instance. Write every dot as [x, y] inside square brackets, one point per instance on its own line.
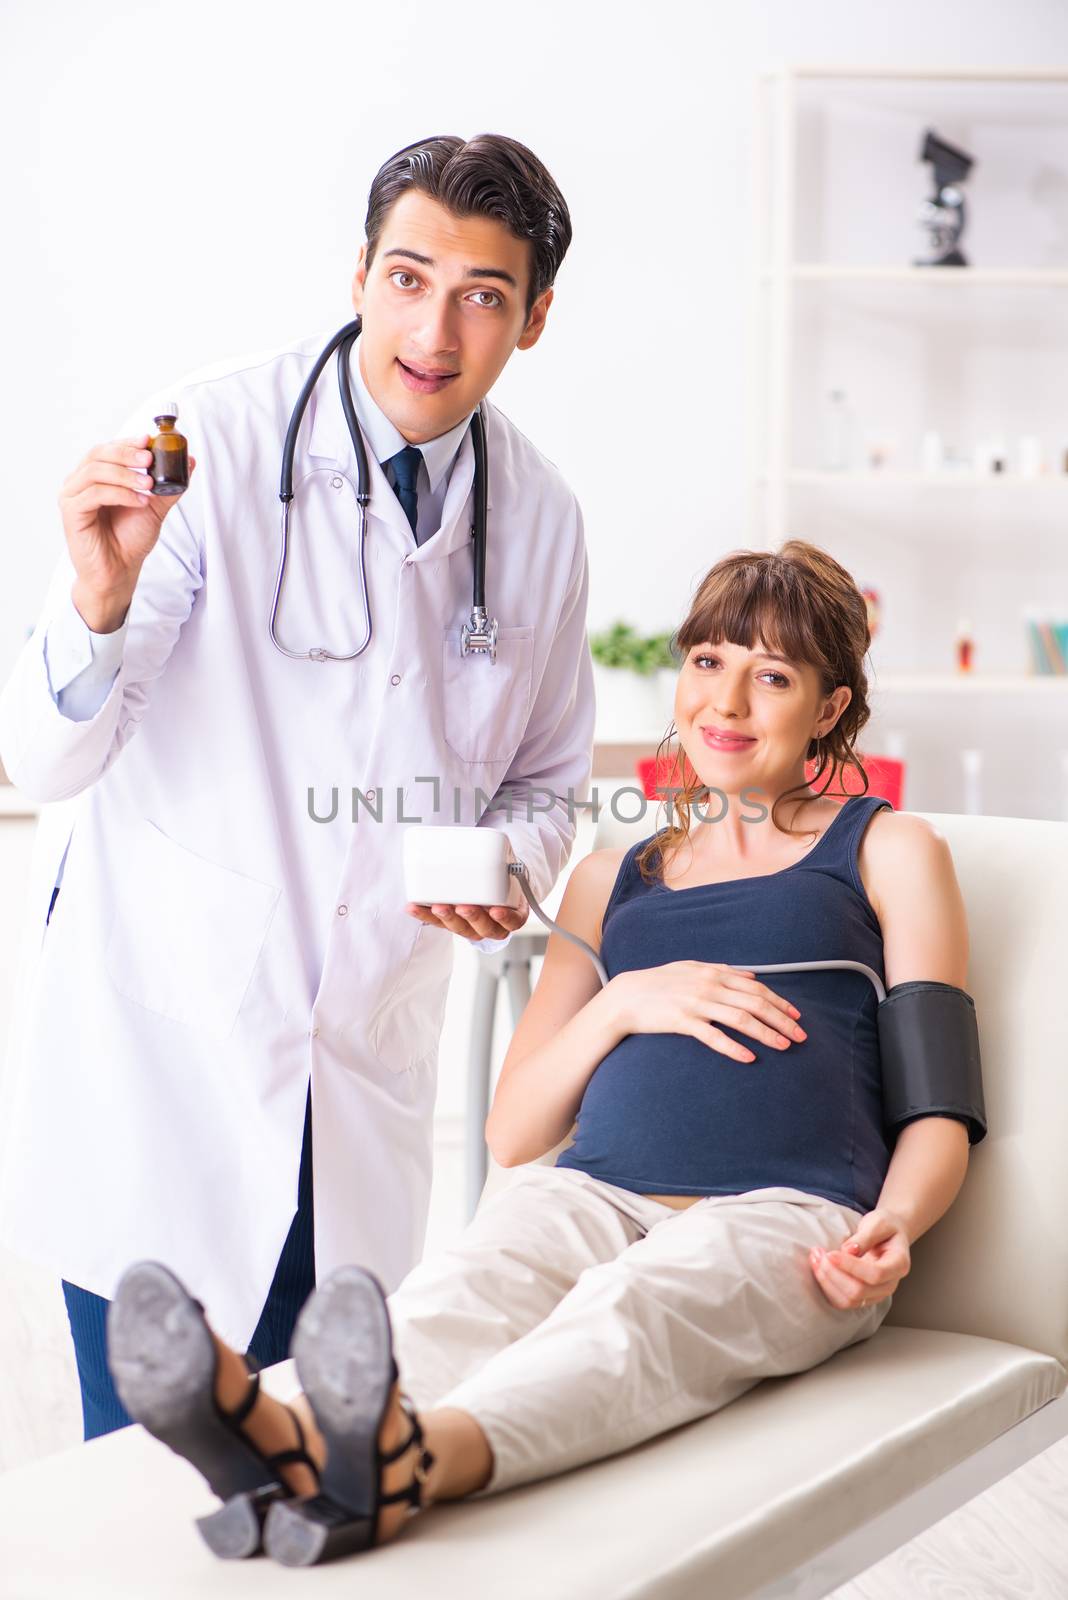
[802, 604]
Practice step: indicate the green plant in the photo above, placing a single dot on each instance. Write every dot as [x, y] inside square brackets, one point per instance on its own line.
[621, 646]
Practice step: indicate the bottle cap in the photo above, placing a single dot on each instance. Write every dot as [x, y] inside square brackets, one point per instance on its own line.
[169, 408]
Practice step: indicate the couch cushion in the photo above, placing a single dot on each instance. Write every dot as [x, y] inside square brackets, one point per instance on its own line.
[718, 1506]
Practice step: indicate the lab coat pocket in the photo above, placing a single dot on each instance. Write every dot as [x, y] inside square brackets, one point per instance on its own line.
[486, 703]
[405, 1027]
[187, 932]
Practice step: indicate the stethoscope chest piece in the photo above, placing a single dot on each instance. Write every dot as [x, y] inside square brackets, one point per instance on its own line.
[479, 634]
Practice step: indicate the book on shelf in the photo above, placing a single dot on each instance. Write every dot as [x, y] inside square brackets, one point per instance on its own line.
[1048, 640]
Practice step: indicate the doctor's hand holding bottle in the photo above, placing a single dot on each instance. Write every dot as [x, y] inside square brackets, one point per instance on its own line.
[111, 521]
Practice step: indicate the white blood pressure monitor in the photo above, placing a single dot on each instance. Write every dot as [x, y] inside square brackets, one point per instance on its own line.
[459, 866]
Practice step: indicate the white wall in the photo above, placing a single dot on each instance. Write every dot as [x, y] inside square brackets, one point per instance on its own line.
[184, 182]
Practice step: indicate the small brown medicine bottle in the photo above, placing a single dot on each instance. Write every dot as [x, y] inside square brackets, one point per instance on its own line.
[170, 453]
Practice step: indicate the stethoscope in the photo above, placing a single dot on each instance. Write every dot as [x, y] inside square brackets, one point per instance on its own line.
[479, 633]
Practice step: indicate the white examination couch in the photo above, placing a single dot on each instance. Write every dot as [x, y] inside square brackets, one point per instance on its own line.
[791, 1490]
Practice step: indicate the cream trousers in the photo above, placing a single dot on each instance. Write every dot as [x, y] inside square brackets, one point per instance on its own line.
[573, 1319]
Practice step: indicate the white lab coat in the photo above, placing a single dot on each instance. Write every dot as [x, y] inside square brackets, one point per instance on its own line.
[212, 945]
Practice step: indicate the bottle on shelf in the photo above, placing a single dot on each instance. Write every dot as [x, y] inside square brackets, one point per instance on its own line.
[989, 455]
[838, 435]
[873, 608]
[964, 646]
[1029, 463]
[972, 767]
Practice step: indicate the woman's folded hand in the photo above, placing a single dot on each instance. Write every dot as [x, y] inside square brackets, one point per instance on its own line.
[868, 1265]
[691, 996]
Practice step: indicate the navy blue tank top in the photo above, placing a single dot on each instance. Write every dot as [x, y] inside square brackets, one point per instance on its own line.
[663, 1113]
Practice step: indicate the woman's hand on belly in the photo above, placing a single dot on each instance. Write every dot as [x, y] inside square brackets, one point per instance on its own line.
[868, 1265]
[689, 996]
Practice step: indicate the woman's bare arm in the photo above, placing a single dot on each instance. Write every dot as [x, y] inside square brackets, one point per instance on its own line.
[908, 871]
[569, 1025]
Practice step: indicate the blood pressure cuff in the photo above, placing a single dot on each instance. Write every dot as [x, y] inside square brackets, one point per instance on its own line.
[929, 1051]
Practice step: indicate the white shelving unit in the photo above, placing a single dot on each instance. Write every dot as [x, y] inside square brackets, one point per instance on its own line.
[874, 478]
[950, 277]
[970, 683]
[971, 352]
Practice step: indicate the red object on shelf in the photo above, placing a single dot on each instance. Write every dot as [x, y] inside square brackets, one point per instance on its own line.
[886, 778]
[658, 773]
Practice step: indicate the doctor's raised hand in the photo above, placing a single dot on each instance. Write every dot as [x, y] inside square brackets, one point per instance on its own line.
[111, 521]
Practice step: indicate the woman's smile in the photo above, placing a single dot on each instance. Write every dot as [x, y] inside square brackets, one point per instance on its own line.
[720, 739]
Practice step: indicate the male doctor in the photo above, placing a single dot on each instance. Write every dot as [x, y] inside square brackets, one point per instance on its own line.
[227, 976]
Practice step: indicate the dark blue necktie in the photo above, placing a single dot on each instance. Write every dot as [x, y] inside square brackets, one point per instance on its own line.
[405, 466]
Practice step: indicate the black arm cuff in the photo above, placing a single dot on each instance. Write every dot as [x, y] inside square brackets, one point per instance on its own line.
[929, 1052]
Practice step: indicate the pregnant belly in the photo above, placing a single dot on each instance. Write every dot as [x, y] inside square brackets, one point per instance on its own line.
[671, 1116]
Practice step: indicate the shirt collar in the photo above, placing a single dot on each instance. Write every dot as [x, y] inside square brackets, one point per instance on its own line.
[386, 439]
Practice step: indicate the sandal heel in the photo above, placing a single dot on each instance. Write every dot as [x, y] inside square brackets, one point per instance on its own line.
[300, 1533]
[343, 1347]
[235, 1531]
[163, 1359]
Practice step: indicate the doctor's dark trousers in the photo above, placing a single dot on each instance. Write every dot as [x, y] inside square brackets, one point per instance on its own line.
[294, 1280]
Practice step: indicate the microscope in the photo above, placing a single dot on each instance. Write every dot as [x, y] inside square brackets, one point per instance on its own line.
[943, 214]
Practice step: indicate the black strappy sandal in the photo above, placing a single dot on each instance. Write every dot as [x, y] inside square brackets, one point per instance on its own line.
[164, 1362]
[344, 1353]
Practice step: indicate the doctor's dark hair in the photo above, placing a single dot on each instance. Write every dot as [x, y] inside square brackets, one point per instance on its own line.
[801, 604]
[487, 176]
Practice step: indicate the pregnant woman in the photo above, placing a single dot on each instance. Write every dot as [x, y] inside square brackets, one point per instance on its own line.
[732, 1207]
